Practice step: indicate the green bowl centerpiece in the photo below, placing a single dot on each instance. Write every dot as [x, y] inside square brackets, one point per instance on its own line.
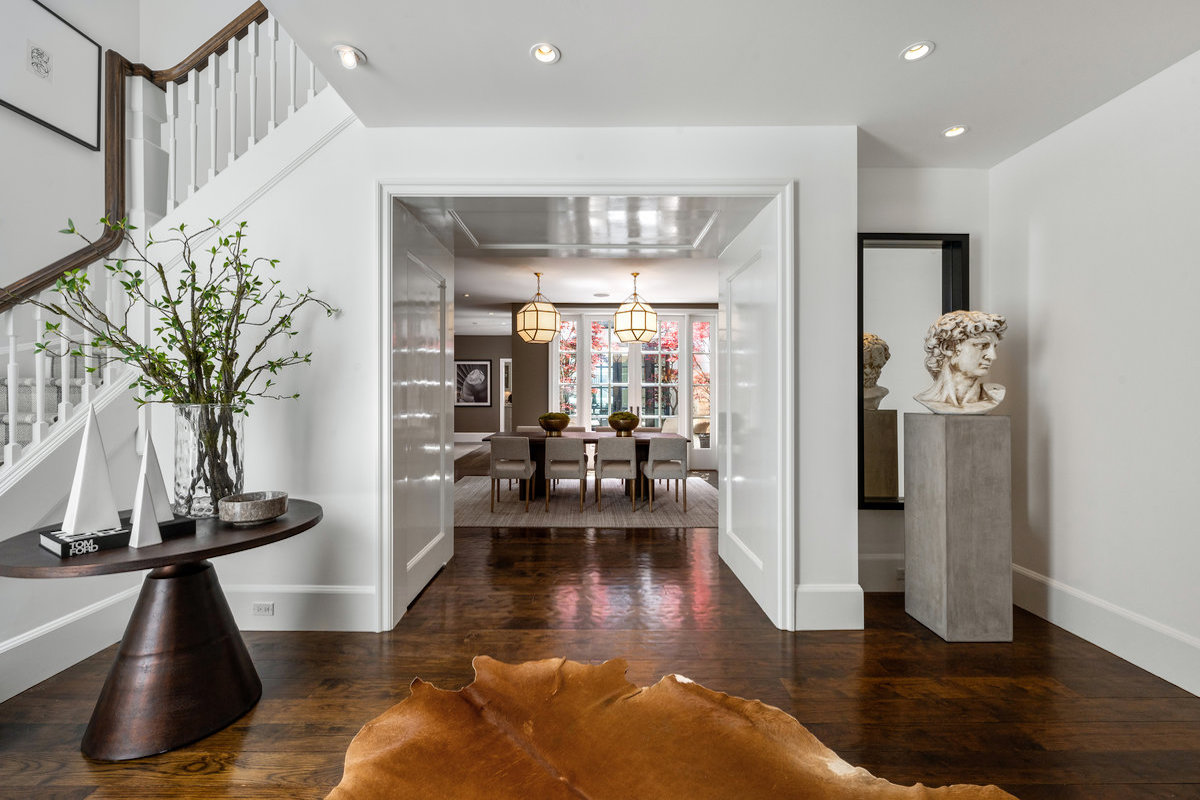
[553, 422]
[623, 422]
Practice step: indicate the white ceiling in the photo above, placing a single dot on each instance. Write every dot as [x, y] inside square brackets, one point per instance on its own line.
[585, 248]
[1012, 70]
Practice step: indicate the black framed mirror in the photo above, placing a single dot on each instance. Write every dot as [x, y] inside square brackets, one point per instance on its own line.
[905, 282]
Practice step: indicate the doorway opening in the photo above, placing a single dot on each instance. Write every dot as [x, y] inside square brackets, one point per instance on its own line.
[497, 237]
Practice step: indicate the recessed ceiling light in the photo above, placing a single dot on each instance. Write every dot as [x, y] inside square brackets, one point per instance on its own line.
[349, 55]
[954, 130]
[544, 53]
[916, 51]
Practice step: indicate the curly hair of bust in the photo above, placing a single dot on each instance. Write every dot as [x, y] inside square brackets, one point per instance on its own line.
[875, 353]
[955, 327]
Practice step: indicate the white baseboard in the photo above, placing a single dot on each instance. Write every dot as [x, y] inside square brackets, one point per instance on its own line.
[1159, 649]
[304, 607]
[877, 572]
[469, 436]
[32, 657]
[829, 607]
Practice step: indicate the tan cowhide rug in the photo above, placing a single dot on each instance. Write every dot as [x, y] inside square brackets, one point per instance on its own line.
[559, 729]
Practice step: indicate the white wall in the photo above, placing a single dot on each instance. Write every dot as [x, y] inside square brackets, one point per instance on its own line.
[321, 222]
[171, 30]
[45, 177]
[918, 201]
[1092, 256]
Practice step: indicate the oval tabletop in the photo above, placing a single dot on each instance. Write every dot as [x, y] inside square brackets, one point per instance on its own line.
[22, 556]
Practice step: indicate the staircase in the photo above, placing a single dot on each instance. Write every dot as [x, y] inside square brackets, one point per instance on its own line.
[188, 126]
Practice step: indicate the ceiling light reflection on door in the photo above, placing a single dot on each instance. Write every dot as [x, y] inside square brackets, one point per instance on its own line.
[538, 320]
[635, 320]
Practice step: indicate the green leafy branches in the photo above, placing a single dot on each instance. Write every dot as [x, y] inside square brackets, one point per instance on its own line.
[213, 321]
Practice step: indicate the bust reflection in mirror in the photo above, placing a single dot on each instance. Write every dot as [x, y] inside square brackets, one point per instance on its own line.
[875, 354]
[959, 350]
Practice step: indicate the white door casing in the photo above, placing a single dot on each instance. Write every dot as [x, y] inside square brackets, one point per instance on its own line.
[422, 429]
[755, 449]
[781, 527]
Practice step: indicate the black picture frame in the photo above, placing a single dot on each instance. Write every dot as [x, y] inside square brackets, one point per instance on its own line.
[52, 74]
[468, 390]
[955, 295]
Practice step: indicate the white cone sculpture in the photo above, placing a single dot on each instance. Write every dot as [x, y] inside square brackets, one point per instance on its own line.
[151, 505]
[91, 506]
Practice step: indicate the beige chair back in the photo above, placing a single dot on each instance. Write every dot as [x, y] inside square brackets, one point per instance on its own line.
[510, 448]
[668, 450]
[670, 425]
[564, 453]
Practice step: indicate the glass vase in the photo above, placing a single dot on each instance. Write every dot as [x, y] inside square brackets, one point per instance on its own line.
[208, 456]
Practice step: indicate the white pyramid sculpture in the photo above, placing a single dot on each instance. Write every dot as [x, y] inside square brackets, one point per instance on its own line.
[150, 502]
[91, 506]
[145, 527]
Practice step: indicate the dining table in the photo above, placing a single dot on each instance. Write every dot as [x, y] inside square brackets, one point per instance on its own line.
[537, 450]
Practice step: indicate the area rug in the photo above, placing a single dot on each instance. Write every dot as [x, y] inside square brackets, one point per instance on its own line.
[471, 507]
[559, 729]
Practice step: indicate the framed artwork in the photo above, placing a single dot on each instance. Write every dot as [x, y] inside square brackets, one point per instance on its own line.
[472, 383]
[50, 71]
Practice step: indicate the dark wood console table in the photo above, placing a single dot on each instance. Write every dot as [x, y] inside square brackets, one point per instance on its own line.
[182, 671]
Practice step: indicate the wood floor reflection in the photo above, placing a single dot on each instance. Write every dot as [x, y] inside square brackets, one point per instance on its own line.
[1047, 716]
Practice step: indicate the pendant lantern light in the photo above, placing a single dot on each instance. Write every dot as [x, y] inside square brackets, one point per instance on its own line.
[538, 320]
[635, 320]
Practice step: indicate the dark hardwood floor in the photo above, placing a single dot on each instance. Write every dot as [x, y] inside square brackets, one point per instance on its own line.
[1047, 716]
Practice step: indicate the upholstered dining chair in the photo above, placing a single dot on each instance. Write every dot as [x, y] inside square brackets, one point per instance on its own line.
[510, 459]
[667, 460]
[566, 459]
[616, 457]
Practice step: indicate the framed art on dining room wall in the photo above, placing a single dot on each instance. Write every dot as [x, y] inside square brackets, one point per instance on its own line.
[50, 71]
[472, 383]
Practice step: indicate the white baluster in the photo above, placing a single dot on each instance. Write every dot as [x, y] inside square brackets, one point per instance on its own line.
[112, 308]
[273, 61]
[12, 450]
[214, 83]
[89, 359]
[312, 79]
[252, 57]
[291, 77]
[193, 92]
[65, 408]
[172, 149]
[40, 426]
[232, 56]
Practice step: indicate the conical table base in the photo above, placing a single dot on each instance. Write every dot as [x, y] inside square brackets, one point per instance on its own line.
[182, 670]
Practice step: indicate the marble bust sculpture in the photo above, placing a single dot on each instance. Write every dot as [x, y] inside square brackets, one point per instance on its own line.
[959, 350]
[875, 353]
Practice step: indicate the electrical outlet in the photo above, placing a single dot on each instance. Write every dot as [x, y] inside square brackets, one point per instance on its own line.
[262, 609]
[900, 574]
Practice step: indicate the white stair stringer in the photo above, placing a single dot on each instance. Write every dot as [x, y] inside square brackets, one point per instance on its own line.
[227, 196]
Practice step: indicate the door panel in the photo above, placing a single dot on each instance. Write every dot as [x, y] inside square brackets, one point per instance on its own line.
[752, 403]
[422, 409]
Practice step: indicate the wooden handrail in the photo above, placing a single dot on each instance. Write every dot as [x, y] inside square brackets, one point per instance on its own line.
[116, 69]
[198, 60]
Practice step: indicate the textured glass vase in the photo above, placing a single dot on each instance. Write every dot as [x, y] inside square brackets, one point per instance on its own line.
[208, 457]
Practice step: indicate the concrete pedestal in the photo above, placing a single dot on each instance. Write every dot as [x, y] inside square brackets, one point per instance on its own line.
[881, 470]
[958, 525]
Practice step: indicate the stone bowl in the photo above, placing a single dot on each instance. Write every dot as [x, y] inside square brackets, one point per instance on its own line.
[252, 508]
[554, 427]
[623, 427]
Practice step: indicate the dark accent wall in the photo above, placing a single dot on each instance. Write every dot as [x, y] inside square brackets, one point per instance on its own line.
[482, 348]
[531, 377]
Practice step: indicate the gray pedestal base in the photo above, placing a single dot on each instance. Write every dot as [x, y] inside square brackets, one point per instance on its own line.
[958, 525]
